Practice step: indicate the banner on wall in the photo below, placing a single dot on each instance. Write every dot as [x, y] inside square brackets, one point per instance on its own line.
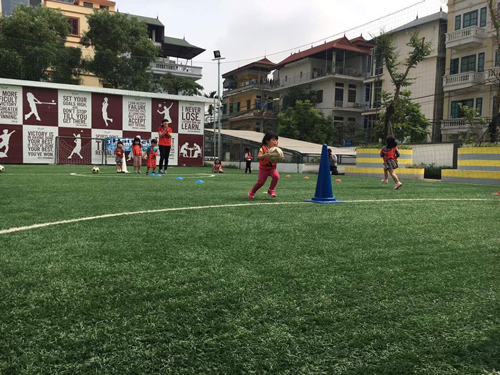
[74, 109]
[39, 144]
[191, 117]
[111, 144]
[136, 114]
[97, 147]
[11, 101]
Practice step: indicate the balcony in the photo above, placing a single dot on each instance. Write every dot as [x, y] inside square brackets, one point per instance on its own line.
[318, 74]
[466, 38]
[462, 81]
[247, 86]
[459, 125]
[492, 76]
[163, 66]
[349, 107]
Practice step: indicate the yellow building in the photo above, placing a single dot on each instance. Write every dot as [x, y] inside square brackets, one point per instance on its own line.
[471, 65]
[76, 11]
[248, 99]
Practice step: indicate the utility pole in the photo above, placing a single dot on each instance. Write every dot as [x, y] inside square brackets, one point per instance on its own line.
[217, 56]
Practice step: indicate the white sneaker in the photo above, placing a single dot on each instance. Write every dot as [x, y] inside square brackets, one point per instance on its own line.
[385, 182]
[398, 185]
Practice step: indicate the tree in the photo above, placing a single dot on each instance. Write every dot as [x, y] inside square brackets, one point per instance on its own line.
[32, 43]
[297, 93]
[408, 120]
[306, 123]
[478, 127]
[177, 85]
[123, 50]
[68, 66]
[385, 48]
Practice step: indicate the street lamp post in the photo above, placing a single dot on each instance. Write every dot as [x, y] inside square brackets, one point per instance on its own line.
[217, 56]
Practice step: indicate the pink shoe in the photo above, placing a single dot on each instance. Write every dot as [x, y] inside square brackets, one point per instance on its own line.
[271, 193]
[385, 182]
[251, 195]
[398, 185]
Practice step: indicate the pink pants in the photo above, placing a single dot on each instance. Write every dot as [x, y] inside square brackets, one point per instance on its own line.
[263, 175]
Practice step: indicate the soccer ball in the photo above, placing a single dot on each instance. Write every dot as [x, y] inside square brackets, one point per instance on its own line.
[95, 170]
[276, 155]
[2, 168]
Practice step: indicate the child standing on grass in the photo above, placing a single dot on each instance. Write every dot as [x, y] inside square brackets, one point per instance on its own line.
[390, 155]
[266, 168]
[137, 152]
[151, 154]
[248, 159]
[119, 154]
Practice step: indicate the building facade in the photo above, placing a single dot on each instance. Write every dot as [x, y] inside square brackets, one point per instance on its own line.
[7, 6]
[335, 71]
[249, 102]
[426, 87]
[472, 65]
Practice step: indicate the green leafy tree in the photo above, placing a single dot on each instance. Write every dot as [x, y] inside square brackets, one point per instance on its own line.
[386, 48]
[177, 85]
[123, 50]
[32, 43]
[67, 68]
[409, 123]
[306, 123]
[297, 93]
[478, 128]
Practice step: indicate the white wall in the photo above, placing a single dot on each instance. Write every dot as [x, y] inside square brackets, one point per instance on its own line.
[439, 154]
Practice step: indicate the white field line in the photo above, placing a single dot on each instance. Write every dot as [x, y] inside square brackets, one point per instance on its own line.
[106, 216]
[124, 175]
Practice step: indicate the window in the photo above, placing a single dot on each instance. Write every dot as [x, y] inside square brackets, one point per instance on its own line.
[224, 109]
[249, 104]
[455, 109]
[351, 98]
[339, 97]
[338, 84]
[470, 19]
[319, 96]
[458, 21]
[482, 21]
[367, 93]
[497, 58]
[351, 120]
[300, 74]
[377, 102]
[88, 5]
[286, 78]
[235, 107]
[73, 26]
[479, 106]
[480, 62]
[454, 66]
[379, 63]
[468, 64]
[104, 7]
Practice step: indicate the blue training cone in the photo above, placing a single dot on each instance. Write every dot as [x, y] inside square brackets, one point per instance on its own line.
[324, 192]
[179, 178]
[200, 182]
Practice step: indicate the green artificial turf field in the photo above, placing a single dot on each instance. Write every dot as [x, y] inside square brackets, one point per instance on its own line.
[390, 282]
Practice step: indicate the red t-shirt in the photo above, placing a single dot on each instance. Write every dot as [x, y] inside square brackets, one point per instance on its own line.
[265, 164]
[119, 153]
[165, 140]
[137, 150]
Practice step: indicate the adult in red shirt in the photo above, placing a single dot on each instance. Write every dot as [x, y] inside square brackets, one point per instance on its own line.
[165, 143]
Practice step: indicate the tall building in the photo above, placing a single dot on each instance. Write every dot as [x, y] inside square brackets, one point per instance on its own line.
[248, 99]
[427, 81]
[335, 71]
[472, 63]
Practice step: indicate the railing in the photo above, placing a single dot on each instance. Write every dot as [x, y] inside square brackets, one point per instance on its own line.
[315, 74]
[171, 67]
[462, 123]
[472, 31]
[461, 78]
[252, 85]
[342, 104]
[493, 74]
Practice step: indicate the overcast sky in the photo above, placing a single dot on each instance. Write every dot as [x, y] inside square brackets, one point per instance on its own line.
[246, 31]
